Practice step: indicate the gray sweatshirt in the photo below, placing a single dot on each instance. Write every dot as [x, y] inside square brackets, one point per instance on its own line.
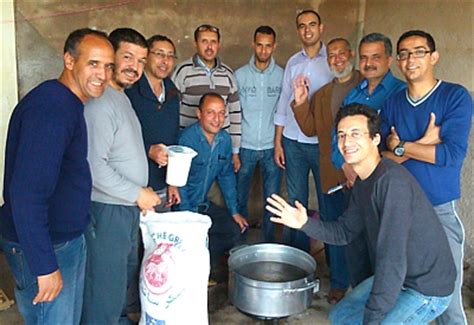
[116, 153]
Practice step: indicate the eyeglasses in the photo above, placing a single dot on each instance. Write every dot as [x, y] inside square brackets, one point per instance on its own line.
[162, 55]
[354, 134]
[417, 53]
[207, 27]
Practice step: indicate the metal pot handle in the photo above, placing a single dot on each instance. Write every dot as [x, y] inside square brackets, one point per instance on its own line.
[310, 285]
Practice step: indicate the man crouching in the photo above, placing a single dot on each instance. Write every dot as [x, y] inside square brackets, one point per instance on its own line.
[414, 271]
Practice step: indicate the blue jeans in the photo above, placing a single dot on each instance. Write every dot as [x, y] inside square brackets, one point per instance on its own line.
[411, 307]
[331, 207]
[271, 176]
[455, 232]
[66, 308]
[300, 158]
[112, 262]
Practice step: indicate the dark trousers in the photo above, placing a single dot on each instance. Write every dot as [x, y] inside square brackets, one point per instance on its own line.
[224, 232]
[112, 260]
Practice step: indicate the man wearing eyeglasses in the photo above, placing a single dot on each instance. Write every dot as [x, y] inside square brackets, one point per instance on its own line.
[155, 99]
[426, 128]
[204, 72]
[414, 269]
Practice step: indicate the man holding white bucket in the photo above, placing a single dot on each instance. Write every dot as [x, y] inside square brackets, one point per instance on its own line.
[155, 99]
[213, 162]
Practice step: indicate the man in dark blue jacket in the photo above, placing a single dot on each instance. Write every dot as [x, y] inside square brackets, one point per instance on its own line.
[155, 99]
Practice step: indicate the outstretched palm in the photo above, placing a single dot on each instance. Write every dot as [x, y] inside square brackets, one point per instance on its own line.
[288, 215]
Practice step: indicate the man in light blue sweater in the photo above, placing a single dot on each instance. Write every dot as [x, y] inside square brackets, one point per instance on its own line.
[119, 175]
[259, 84]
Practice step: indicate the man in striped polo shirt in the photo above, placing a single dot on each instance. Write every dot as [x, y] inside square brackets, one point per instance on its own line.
[202, 73]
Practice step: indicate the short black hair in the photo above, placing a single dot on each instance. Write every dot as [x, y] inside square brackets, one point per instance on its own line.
[308, 11]
[373, 118]
[75, 38]
[264, 30]
[127, 35]
[160, 38]
[209, 94]
[429, 39]
[207, 28]
[378, 37]
[339, 39]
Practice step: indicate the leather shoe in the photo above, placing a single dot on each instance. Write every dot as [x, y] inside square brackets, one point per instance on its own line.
[335, 295]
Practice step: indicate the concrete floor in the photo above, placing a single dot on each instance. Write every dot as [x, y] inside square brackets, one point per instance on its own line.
[220, 309]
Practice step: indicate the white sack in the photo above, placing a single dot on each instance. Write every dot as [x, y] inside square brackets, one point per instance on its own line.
[175, 268]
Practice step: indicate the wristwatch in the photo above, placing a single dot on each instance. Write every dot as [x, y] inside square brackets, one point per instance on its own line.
[399, 150]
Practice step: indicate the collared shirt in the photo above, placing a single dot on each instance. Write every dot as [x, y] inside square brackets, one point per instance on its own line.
[214, 161]
[201, 63]
[159, 121]
[360, 93]
[161, 99]
[317, 71]
[258, 92]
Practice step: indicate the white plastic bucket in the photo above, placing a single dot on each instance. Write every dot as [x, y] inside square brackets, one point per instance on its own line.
[179, 163]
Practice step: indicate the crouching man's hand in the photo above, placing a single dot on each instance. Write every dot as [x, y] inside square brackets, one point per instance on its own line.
[288, 215]
[241, 221]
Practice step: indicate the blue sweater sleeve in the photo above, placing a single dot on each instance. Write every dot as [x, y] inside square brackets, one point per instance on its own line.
[43, 137]
[455, 128]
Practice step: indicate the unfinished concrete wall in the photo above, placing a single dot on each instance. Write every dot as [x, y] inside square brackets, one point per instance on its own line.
[451, 24]
[42, 28]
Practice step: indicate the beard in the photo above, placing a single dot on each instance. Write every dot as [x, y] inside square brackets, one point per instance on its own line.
[344, 73]
[125, 85]
[262, 60]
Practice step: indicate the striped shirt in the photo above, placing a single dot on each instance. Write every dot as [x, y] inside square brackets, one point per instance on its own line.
[193, 80]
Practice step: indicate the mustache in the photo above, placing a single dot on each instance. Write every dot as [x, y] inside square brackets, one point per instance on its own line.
[370, 67]
[129, 70]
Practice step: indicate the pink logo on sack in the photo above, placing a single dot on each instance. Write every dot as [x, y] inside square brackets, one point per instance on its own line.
[159, 269]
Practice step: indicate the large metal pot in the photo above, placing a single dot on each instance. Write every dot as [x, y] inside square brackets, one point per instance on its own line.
[271, 280]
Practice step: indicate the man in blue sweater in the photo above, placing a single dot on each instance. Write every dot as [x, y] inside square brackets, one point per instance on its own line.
[259, 84]
[426, 128]
[47, 184]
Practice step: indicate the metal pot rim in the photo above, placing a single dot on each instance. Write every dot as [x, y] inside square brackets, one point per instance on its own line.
[239, 256]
